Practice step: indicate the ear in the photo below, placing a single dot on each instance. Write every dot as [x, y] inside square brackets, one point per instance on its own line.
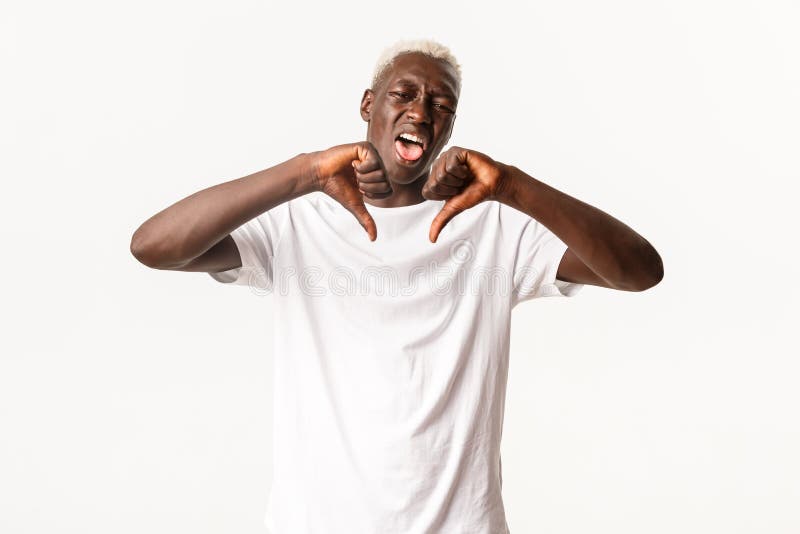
[366, 104]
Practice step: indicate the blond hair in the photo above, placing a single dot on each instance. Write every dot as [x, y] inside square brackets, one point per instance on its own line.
[428, 47]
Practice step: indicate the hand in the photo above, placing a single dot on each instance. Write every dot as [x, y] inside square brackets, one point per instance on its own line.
[345, 172]
[463, 178]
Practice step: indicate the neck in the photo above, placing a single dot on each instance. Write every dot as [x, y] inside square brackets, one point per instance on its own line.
[403, 195]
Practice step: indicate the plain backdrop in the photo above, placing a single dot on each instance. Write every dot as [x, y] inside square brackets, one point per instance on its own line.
[134, 400]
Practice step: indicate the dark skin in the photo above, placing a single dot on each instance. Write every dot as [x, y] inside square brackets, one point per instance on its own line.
[416, 95]
[421, 94]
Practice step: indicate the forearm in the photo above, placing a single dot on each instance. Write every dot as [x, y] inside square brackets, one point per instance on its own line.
[191, 226]
[610, 248]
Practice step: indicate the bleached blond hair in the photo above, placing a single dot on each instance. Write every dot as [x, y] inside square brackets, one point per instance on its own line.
[428, 47]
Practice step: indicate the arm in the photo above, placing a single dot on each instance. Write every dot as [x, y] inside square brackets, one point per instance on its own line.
[193, 233]
[602, 250]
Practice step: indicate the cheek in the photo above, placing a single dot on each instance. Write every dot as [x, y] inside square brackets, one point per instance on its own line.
[442, 135]
[382, 124]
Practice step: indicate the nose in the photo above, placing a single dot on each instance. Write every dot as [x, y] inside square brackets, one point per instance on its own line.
[418, 110]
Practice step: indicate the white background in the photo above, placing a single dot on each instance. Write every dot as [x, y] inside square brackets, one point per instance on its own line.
[134, 400]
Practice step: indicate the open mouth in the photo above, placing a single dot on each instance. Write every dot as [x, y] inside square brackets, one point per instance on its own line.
[409, 147]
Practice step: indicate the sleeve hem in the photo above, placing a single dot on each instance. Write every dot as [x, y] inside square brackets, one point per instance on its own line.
[551, 286]
[250, 273]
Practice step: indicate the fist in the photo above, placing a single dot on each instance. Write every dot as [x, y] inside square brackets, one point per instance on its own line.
[462, 178]
[346, 172]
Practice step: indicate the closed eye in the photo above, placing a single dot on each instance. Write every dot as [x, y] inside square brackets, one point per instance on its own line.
[406, 96]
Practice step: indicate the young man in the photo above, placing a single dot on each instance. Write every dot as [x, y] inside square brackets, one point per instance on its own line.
[391, 349]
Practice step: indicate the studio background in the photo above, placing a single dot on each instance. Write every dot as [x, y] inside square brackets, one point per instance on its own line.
[134, 400]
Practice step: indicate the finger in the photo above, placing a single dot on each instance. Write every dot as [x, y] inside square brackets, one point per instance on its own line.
[374, 184]
[443, 190]
[364, 218]
[455, 167]
[369, 160]
[366, 166]
[441, 219]
[468, 198]
[433, 177]
[377, 176]
[444, 187]
[452, 180]
[375, 190]
[375, 187]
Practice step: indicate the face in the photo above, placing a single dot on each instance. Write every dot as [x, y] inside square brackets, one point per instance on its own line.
[417, 97]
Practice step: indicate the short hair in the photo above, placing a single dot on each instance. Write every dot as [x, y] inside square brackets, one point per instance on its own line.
[428, 47]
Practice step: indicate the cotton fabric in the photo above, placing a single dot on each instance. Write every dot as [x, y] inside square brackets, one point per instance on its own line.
[391, 360]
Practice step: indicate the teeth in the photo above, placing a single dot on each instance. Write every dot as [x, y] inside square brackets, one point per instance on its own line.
[411, 137]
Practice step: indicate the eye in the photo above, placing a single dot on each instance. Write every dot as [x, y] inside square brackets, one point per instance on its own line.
[400, 94]
[440, 106]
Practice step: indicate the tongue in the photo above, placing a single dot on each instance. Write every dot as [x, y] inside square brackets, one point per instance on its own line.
[409, 151]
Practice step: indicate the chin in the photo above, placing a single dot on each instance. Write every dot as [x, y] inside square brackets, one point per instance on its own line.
[405, 176]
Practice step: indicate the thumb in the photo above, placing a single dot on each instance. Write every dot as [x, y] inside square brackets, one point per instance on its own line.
[364, 218]
[442, 218]
[468, 198]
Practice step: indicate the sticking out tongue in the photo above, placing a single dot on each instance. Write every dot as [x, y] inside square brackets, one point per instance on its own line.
[409, 151]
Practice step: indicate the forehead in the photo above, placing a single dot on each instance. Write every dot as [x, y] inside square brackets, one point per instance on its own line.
[421, 69]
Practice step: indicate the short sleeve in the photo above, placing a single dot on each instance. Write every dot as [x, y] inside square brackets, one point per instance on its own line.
[257, 241]
[536, 254]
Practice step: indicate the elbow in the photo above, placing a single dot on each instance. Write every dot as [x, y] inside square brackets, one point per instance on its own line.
[149, 252]
[142, 251]
[647, 283]
[641, 270]
[651, 273]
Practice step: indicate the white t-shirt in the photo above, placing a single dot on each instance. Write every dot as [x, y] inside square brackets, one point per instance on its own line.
[391, 360]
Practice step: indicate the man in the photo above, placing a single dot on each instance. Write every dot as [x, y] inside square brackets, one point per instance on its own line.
[392, 352]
